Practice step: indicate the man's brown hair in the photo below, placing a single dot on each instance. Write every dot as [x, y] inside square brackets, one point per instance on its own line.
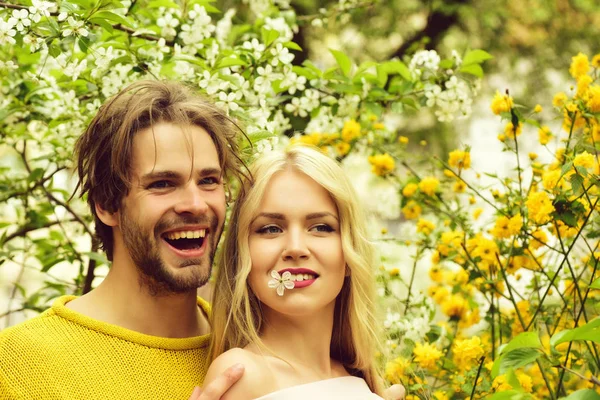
[104, 151]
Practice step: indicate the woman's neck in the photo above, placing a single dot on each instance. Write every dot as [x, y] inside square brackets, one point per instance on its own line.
[302, 341]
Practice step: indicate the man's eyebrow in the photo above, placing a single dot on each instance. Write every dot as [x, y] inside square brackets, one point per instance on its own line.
[321, 215]
[160, 175]
[210, 171]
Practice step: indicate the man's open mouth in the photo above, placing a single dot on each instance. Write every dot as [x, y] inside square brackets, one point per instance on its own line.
[186, 240]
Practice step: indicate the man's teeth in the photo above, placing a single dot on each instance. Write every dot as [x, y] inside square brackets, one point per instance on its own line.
[200, 233]
[302, 277]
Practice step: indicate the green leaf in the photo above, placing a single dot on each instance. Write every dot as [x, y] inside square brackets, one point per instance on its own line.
[476, 57]
[515, 359]
[111, 16]
[509, 395]
[293, 46]
[583, 394]
[589, 331]
[35, 175]
[399, 68]
[472, 69]
[163, 3]
[229, 62]
[100, 258]
[595, 284]
[269, 36]
[343, 61]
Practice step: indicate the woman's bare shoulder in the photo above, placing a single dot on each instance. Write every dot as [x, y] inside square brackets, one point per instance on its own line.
[253, 382]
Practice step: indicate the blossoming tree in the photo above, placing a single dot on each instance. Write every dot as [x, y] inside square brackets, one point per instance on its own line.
[510, 307]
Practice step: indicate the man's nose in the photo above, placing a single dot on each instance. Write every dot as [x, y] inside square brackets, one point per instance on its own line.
[296, 246]
[191, 200]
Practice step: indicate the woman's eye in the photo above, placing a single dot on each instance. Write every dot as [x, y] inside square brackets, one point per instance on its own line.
[323, 228]
[269, 229]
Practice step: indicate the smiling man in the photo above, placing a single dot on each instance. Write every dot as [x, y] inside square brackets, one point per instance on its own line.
[153, 164]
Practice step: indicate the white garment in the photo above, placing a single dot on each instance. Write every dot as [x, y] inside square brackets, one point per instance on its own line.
[343, 388]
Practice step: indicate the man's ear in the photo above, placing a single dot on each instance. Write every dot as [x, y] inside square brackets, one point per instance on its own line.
[108, 218]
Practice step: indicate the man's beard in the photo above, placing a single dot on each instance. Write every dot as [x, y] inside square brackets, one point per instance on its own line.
[154, 274]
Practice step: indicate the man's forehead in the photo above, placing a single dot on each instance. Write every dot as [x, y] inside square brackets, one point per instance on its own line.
[167, 146]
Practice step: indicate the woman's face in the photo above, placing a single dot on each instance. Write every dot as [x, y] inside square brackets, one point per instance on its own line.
[297, 229]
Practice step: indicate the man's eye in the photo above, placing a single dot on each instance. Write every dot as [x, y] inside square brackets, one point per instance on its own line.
[160, 185]
[269, 229]
[210, 180]
[323, 228]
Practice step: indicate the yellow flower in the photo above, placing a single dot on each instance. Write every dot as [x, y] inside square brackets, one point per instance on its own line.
[439, 294]
[584, 159]
[435, 273]
[580, 65]
[540, 238]
[550, 179]
[538, 108]
[395, 370]
[467, 352]
[525, 381]
[483, 248]
[429, 185]
[459, 187]
[426, 355]
[533, 156]
[455, 307]
[507, 227]
[425, 227]
[351, 130]
[583, 83]
[540, 207]
[460, 159]
[450, 241]
[559, 99]
[596, 61]
[477, 212]
[501, 103]
[510, 131]
[378, 126]
[439, 395]
[403, 139]
[500, 384]
[412, 210]
[544, 135]
[593, 102]
[423, 142]
[382, 164]
[342, 148]
[409, 190]
[448, 173]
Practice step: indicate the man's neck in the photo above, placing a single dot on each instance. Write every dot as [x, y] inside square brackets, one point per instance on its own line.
[120, 300]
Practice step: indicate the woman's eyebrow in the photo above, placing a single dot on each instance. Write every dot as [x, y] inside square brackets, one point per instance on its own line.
[321, 215]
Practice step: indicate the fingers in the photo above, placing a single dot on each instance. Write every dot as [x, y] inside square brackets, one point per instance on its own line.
[395, 392]
[195, 394]
[222, 383]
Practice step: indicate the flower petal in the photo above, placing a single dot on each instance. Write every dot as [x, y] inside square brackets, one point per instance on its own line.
[288, 284]
[287, 275]
[275, 275]
[273, 283]
[280, 290]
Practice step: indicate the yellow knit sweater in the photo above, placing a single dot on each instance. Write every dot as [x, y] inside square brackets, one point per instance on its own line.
[62, 354]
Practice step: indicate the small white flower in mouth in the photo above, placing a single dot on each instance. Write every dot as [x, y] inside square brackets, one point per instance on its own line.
[281, 282]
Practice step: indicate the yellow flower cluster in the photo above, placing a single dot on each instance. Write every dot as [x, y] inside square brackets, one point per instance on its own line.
[467, 352]
[501, 103]
[382, 164]
[425, 227]
[429, 185]
[350, 131]
[539, 207]
[426, 355]
[460, 159]
[507, 227]
[580, 65]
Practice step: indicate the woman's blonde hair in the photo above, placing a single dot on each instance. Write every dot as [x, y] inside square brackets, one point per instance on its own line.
[237, 317]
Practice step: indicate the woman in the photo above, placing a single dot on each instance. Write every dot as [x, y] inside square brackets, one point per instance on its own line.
[294, 295]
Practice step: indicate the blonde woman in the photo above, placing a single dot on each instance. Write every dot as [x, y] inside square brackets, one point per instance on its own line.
[294, 296]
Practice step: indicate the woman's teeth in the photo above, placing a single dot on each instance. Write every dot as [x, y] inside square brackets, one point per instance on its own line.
[302, 277]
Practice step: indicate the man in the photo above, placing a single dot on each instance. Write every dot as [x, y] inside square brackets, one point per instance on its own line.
[152, 164]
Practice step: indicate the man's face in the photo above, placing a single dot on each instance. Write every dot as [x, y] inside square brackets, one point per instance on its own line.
[171, 220]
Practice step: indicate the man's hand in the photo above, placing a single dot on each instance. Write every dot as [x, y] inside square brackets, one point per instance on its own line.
[395, 392]
[217, 388]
